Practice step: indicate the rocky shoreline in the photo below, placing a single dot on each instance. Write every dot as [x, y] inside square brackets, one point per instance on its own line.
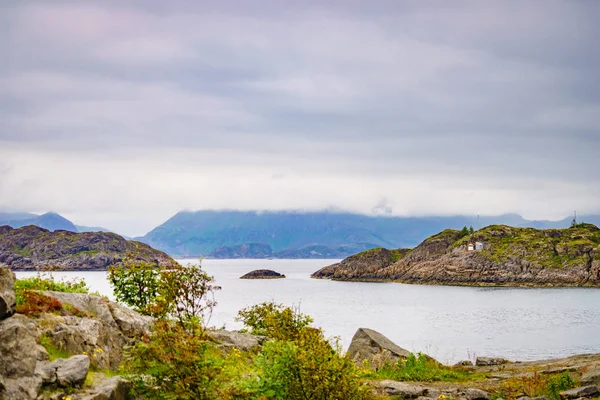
[90, 340]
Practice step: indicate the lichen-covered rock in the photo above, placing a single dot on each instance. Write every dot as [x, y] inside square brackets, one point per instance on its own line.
[262, 274]
[476, 394]
[7, 292]
[374, 348]
[18, 347]
[238, 340]
[591, 377]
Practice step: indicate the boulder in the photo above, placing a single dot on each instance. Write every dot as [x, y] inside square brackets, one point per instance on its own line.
[7, 293]
[238, 340]
[24, 388]
[583, 391]
[464, 363]
[476, 394]
[18, 347]
[403, 389]
[114, 388]
[72, 371]
[375, 348]
[591, 377]
[489, 361]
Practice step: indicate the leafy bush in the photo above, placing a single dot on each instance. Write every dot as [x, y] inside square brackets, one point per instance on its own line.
[308, 367]
[274, 320]
[135, 284]
[46, 281]
[558, 383]
[176, 364]
[299, 362]
[419, 367]
[33, 304]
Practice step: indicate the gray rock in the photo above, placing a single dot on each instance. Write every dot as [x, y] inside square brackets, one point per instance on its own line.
[115, 388]
[476, 394]
[18, 347]
[72, 371]
[464, 363]
[591, 377]
[24, 388]
[583, 391]
[488, 361]
[402, 389]
[46, 372]
[242, 341]
[375, 348]
[111, 328]
[42, 353]
[7, 293]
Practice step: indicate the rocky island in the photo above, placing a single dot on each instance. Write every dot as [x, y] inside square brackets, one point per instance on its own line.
[31, 247]
[262, 274]
[498, 255]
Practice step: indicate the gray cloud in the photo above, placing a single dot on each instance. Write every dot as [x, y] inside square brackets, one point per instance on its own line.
[135, 110]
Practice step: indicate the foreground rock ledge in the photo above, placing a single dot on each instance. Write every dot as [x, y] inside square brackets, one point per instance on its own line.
[263, 274]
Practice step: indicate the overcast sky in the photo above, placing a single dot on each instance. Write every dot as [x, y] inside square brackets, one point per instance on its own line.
[121, 113]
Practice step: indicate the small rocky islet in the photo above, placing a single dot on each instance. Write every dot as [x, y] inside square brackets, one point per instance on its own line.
[497, 255]
[262, 274]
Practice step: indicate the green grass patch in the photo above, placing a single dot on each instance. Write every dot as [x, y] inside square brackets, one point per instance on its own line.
[46, 282]
[421, 368]
[53, 351]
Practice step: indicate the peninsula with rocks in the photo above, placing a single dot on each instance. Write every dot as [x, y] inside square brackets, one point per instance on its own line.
[31, 248]
[497, 255]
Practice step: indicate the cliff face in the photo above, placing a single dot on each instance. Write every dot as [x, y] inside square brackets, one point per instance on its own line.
[31, 247]
[510, 256]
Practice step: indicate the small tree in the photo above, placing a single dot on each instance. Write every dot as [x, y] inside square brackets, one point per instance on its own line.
[136, 284]
[464, 231]
[471, 230]
[274, 320]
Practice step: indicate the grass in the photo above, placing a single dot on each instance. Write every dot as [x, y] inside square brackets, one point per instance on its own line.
[535, 386]
[53, 351]
[421, 368]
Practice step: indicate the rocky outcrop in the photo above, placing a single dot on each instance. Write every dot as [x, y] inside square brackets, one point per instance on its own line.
[7, 293]
[509, 257]
[369, 346]
[31, 248]
[362, 266]
[102, 335]
[113, 388]
[262, 274]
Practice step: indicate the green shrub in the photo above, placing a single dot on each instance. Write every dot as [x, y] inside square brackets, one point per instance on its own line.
[273, 320]
[558, 383]
[175, 364]
[308, 367]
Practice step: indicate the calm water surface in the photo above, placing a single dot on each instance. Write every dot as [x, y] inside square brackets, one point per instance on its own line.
[449, 323]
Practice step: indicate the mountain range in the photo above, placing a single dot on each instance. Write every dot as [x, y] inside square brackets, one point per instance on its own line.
[264, 234]
[288, 234]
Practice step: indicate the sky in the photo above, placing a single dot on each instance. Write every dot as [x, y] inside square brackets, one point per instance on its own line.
[119, 114]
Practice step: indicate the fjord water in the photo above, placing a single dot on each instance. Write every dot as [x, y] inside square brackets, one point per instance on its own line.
[449, 323]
